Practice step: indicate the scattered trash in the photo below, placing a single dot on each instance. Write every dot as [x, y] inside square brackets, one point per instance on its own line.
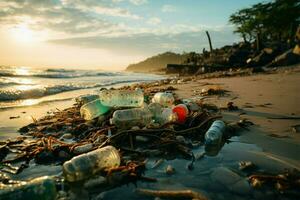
[170, 170]
[296, 128]
[213, 91]
[85, 165]
[215, 133]
[231, 106]
[105, 140]
[179, 194]
[14, 117]
[182, 112]
[38, 188]
[131, 117]
[163, 98]
[246, 165]
[93, 109]
[287, 180]
[122, 98]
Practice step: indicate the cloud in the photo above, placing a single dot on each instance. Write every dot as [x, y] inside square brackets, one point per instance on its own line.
[138, 2]
[150, 43]
[68, 16]
[154, 21]
[168, 8]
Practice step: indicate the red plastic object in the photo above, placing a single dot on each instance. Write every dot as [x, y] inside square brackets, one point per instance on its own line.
[182, 112]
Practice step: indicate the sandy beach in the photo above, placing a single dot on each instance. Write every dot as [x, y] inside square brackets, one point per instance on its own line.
[261, 98]
[269, 100]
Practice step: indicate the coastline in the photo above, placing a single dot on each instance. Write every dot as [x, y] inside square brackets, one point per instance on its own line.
[259, 96]
[270, 143]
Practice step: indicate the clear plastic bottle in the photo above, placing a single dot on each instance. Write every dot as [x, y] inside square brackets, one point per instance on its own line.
[156, 110]
[38, 188]
[83, 99]
[87, 164]
[163, 98]
[122, 98]
[132, 117]
[214, 134]
[167, 116]
[93, 109]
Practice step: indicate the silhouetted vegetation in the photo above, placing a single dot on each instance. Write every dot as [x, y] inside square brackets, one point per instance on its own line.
[276, 20]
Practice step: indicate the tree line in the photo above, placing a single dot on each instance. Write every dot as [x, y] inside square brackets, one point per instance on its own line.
[276, 20]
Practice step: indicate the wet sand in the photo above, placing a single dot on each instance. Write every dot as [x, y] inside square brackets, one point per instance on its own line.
[261, 98]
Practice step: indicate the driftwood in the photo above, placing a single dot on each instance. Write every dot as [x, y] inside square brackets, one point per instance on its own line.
[209, 41]
[179, 194]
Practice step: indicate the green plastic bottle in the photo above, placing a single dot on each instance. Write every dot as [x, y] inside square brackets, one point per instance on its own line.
[93, 109]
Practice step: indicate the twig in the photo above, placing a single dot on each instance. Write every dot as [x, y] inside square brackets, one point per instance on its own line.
[172, 194]
[287, 117]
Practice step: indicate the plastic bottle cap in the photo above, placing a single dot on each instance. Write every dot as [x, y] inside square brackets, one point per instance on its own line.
[182, 112]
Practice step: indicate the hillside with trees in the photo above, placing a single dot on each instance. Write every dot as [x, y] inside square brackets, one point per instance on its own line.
[271, 37]
[157, 63]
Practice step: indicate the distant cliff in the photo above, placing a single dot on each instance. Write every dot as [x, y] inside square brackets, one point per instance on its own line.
[156, 63]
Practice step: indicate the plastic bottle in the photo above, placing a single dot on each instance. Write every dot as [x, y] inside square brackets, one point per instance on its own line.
[131, 117]
[38, 188]
[214, 134]
[182, 112]
[155, 109]
[122, 98]
[93, 109]
[87, 164]
[167, 116]
[163, 98]
[83, 99]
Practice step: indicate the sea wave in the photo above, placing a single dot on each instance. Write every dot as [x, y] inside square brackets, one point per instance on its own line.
[41, 91]
[53, 73]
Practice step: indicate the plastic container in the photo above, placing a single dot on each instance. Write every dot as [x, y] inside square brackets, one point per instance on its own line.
[84, 99]
[93, 109]
[163, 98]
[131, 117]
[182, 112]
[167, 116]
[214, 134]
[155, 109]
[38, 188]
[86, 165]
[122, 98]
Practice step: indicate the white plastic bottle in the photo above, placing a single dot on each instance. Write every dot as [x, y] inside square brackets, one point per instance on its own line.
[122, 98]
[87, 164]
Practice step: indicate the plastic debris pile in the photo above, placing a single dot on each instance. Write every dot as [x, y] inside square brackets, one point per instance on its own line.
[106, 139]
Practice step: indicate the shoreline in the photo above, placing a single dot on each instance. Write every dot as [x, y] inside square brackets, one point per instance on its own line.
[258, 99]
[253, 93]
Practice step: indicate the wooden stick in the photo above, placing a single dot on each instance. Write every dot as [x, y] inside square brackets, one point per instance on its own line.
[287, 117]
[172, 194]
[209, 41]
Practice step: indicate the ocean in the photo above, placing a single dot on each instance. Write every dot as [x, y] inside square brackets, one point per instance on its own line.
[24, 86]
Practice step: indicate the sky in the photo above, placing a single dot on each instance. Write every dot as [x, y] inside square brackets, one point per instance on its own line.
[109, 34]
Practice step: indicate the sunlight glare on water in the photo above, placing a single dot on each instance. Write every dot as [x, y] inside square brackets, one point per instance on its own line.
[22, 71]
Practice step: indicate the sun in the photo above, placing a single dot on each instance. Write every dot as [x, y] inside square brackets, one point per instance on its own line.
[23, 34]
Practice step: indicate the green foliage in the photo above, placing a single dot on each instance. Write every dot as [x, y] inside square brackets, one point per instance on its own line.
[275, 20]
